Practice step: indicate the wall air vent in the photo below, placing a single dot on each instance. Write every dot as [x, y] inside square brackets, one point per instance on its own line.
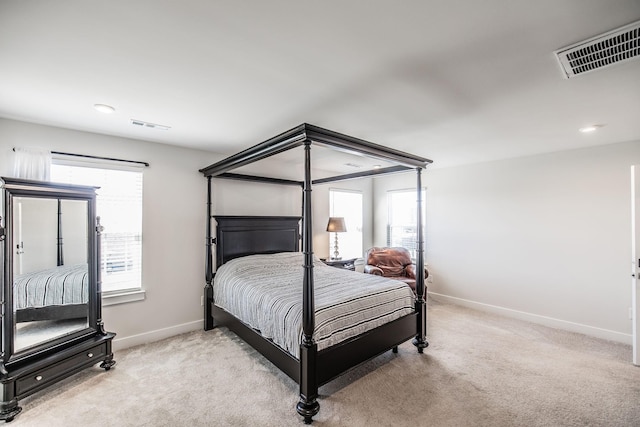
[613, 47]
[149, 125]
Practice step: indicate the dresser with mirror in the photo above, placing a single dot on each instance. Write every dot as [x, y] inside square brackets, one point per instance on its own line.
[51, 288]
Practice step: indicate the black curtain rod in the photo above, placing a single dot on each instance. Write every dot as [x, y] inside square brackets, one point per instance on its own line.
[86, 156]
[100, 158]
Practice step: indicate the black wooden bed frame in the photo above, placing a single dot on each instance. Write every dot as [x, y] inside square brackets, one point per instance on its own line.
[241, 235]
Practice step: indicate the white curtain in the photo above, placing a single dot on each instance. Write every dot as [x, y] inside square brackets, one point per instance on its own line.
[32, 163]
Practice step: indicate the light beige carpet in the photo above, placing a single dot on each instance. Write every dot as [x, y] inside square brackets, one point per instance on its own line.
[480, 370]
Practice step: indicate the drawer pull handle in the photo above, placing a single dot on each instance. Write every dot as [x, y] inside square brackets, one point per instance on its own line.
[90, 354]
[39, 378]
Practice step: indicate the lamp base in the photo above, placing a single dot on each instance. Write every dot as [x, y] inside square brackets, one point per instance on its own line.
[336, 254]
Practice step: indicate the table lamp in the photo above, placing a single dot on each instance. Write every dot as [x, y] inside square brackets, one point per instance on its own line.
[336, 225]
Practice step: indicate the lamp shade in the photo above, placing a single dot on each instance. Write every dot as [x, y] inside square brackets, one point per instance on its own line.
[336, 225]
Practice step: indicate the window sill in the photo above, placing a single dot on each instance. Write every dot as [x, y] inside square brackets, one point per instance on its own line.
[121, 297]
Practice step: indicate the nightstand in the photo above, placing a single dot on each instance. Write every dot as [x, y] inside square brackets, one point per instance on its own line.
[347, 264]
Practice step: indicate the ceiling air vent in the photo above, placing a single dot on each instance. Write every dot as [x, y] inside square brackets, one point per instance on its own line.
[613, 47]
[149, 125]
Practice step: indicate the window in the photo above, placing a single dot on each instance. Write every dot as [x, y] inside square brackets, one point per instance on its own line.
[402, 223]
[347, 204]
[119, 206]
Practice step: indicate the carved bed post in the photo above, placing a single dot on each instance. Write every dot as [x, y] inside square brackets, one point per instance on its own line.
[308, 405]
[421, 291]
[208, 288]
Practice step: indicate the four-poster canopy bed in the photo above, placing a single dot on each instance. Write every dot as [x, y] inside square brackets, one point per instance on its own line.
[324, 348]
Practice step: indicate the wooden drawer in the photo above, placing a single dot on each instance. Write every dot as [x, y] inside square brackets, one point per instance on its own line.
[43, 377]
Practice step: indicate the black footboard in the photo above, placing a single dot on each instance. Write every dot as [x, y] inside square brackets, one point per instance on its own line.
[332, 361]
[335, 360]
[283, 360]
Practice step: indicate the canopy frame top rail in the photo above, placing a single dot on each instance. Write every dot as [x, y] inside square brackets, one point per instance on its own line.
[314, 134]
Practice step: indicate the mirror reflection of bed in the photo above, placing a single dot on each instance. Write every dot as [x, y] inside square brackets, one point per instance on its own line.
[50, 269]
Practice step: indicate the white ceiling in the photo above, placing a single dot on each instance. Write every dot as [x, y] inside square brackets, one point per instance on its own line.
[455, 81]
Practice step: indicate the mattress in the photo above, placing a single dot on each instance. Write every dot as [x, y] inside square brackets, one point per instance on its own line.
[66, 284]
[265, 292]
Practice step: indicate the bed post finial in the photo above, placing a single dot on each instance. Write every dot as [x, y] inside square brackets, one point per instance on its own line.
[308, 405]
[421, 305]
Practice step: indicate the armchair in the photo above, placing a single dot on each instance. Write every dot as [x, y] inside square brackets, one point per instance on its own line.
[394, 263]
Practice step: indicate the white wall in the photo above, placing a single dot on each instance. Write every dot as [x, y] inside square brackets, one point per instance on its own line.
[543, 238]
[173, 226]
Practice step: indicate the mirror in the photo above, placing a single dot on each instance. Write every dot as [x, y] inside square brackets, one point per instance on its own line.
[50, 269]
[51, 322]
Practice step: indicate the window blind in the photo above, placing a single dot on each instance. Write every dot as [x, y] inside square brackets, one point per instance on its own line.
[119, 205]
[402, 220]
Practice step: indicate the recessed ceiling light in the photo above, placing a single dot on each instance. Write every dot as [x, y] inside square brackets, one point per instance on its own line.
[104, 108]
[588, 129]
[377, 166]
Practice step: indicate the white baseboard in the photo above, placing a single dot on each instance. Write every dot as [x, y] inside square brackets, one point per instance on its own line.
[160, 334]
[541, 320]
[157, 335]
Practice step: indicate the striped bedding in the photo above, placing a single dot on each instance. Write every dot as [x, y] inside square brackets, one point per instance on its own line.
[265, 292]
[66, 284]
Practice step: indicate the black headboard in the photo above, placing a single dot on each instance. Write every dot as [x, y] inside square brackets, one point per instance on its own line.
[238, 236]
